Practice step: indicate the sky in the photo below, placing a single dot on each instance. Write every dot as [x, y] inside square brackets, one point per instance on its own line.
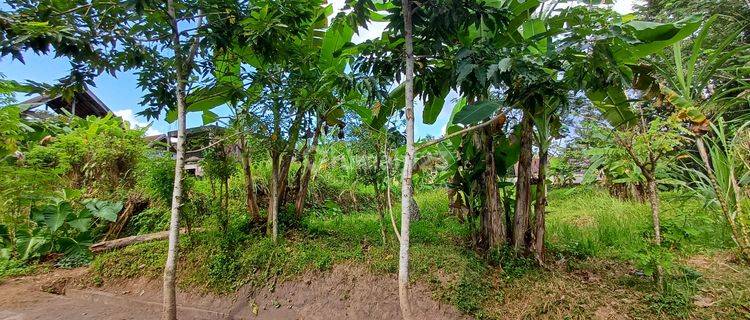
[122, 95]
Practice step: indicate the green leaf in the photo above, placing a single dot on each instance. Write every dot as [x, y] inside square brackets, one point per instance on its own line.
[32, 244]
[104, 210]
[81, 224]
[381, 112]
[463, 71]
[208, 98]
[338, 35]
[613, 104]
[78, 246]
[433, 107]
[171, 116]
[53, 215]
[655, 37]
[475, 113]
[209, 116]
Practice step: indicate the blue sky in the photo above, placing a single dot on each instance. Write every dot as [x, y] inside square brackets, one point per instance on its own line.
[123, 96]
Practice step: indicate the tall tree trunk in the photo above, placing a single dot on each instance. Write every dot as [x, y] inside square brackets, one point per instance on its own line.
[182, 70]
[406, 179]
[273, 197]
[299, 202]
[493, 229]
[540, 206]
[523, 186]
[251, 202]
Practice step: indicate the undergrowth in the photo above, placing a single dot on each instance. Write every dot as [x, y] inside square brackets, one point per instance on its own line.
[15, 268]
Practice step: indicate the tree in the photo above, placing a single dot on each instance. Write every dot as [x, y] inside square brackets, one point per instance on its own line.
[406, 180]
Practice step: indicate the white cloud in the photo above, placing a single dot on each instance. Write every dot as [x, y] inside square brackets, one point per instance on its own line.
[129, 116]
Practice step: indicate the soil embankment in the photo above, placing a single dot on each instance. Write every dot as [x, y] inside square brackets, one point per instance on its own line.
[346, 292]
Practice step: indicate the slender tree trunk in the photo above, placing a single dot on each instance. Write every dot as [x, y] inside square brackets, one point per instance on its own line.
[493, 230]
[388, 198]
[653, 199]
[288, 156]
[273, 197]
[379, 196]
[251, 202]
[540, 206]
[299, 202]
[406, 180]
[523, 186]
[170, 267]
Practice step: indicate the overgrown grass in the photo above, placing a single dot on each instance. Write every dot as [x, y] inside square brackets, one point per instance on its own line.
[585, 222]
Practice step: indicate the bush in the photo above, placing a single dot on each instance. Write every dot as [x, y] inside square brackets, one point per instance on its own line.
[153, 219]
[157, 178]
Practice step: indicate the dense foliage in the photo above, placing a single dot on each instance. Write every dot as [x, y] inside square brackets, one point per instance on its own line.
[302, 153]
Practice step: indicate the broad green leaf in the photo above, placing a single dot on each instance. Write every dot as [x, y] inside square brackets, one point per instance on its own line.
[54, 215]
[171, 116]
[457, 108]
[81, 224]
[208, 98]
[227, 68]
[613, 104]
[362, 111]
[452, 128]
[32, 244]
[78, 246]
[381, 112]
[475, 113]
[338, 35]
[104, 210]
[209, 116]
[655, 37]
[432, 108]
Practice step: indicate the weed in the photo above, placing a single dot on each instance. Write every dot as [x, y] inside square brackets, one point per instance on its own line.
[74, 261]
[14, 268]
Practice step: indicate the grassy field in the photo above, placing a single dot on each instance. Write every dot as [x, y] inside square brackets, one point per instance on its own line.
[599, 260]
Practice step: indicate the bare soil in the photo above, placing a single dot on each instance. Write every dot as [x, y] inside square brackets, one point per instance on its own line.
[346, 292]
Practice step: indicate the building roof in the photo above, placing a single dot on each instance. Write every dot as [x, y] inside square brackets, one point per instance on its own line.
[86, 104]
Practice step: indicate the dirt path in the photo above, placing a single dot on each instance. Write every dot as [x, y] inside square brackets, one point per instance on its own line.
[344, 293]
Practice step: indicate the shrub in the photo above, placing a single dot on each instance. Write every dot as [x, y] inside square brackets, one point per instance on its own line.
[156, 178]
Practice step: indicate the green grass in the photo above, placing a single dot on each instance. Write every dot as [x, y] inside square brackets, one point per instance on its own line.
[586, 222]
[15, 268]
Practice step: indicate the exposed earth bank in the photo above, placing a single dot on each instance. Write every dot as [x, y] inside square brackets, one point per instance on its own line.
[346, 292]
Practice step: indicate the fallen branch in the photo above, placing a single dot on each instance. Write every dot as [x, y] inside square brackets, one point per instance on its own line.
[124, 242]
